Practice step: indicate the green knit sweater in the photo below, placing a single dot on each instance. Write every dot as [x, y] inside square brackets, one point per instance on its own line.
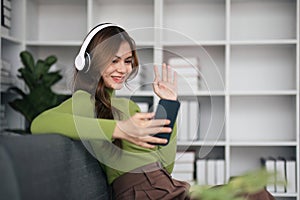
[74, 118]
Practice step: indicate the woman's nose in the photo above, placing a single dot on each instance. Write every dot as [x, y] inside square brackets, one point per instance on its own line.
[121, 67]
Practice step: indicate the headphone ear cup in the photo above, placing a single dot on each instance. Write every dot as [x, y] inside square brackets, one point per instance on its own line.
[87, 59]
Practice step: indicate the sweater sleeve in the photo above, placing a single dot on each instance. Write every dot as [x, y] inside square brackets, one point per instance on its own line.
[76, 123]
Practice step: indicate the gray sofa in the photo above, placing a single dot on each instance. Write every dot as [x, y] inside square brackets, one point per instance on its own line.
[49, 166]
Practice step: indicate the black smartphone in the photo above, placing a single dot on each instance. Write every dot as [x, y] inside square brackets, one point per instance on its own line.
[167, 109]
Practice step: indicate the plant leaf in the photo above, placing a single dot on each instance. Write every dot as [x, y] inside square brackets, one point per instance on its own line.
[28, 78]
[24, 107]
[17, 90]
[27, 60]
[38, 100]
[50, 60]
[40, 70]
[51, 78]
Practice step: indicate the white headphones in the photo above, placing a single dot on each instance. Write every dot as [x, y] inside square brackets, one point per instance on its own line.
[83, 58]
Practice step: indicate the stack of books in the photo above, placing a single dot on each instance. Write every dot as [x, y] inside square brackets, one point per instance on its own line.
[6, 9]
[188, 121]
[6, 76]
[144, 106]
[210, 171]
[3, 120]
[283, 171]
[188, 73]
[145, 77]
[184, 166]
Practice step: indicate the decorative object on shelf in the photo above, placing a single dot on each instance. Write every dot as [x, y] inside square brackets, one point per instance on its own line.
[187, 71]
[6, 9]
[184, 166]
[6, 78]
[38, 96]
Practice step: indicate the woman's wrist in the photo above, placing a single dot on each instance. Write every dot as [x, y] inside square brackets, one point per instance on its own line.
[118, 133]
[170, 99]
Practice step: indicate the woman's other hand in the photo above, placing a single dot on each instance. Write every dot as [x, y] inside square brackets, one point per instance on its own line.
[166, 86]
[139, 129]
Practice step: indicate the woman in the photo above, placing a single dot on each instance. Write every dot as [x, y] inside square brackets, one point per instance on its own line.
[113, 129]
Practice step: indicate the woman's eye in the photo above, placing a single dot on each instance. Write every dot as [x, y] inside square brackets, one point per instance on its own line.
[128, 61]
[115, 61]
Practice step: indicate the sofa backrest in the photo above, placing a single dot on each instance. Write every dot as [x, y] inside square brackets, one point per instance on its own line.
[49, 166]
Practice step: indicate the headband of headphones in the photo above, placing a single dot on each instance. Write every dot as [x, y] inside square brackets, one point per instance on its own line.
[80, 60]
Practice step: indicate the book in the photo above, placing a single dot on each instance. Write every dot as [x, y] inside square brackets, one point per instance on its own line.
[143, 106]
[183, 127]
[183, 176]
[269, 164]
[291, 176]
[280, 175]
[7, 4]
[6, 9]
[183, 167]
[210, 170]
[220, 171]
[201, 172]
[188, 156]
[187, 71]
[193, 120]
[183, 61]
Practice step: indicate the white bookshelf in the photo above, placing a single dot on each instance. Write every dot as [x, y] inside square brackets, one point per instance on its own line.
[249, 64]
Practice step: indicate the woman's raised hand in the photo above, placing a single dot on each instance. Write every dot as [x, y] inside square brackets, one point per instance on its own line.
[166, 86]
[139, 129]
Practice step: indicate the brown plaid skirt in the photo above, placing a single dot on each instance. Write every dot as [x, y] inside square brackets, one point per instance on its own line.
[149, 182]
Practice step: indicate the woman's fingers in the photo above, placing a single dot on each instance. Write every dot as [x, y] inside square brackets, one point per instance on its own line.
[144, 116]
[175, 79]
[147, 119]
[148, 141]
[156, 73]
[169, 74]
[153, 131]
[143, 124]
[164, 72]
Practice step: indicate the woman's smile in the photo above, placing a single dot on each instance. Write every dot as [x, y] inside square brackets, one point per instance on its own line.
[118, 79]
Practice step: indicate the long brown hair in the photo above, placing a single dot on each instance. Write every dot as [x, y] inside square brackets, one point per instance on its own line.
[102, 49]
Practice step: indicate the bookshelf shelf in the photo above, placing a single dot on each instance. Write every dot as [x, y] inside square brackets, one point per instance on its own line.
[7, 38]
[284, 194]
[53, 43]
[247, 66]
[262, 42]
[194, 43]
[264, 93]
[263, 144]
[201, 143]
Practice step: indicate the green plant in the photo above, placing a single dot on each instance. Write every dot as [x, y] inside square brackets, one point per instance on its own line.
[236, 189]
[38, 95]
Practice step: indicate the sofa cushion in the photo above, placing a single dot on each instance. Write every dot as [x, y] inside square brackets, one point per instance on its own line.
[49, 166]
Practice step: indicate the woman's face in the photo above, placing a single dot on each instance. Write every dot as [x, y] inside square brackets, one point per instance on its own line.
[119, 69]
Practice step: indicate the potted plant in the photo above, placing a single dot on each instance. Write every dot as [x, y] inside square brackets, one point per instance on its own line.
[38, 95]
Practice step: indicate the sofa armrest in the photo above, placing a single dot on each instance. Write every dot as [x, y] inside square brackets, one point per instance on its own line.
[49, 166]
